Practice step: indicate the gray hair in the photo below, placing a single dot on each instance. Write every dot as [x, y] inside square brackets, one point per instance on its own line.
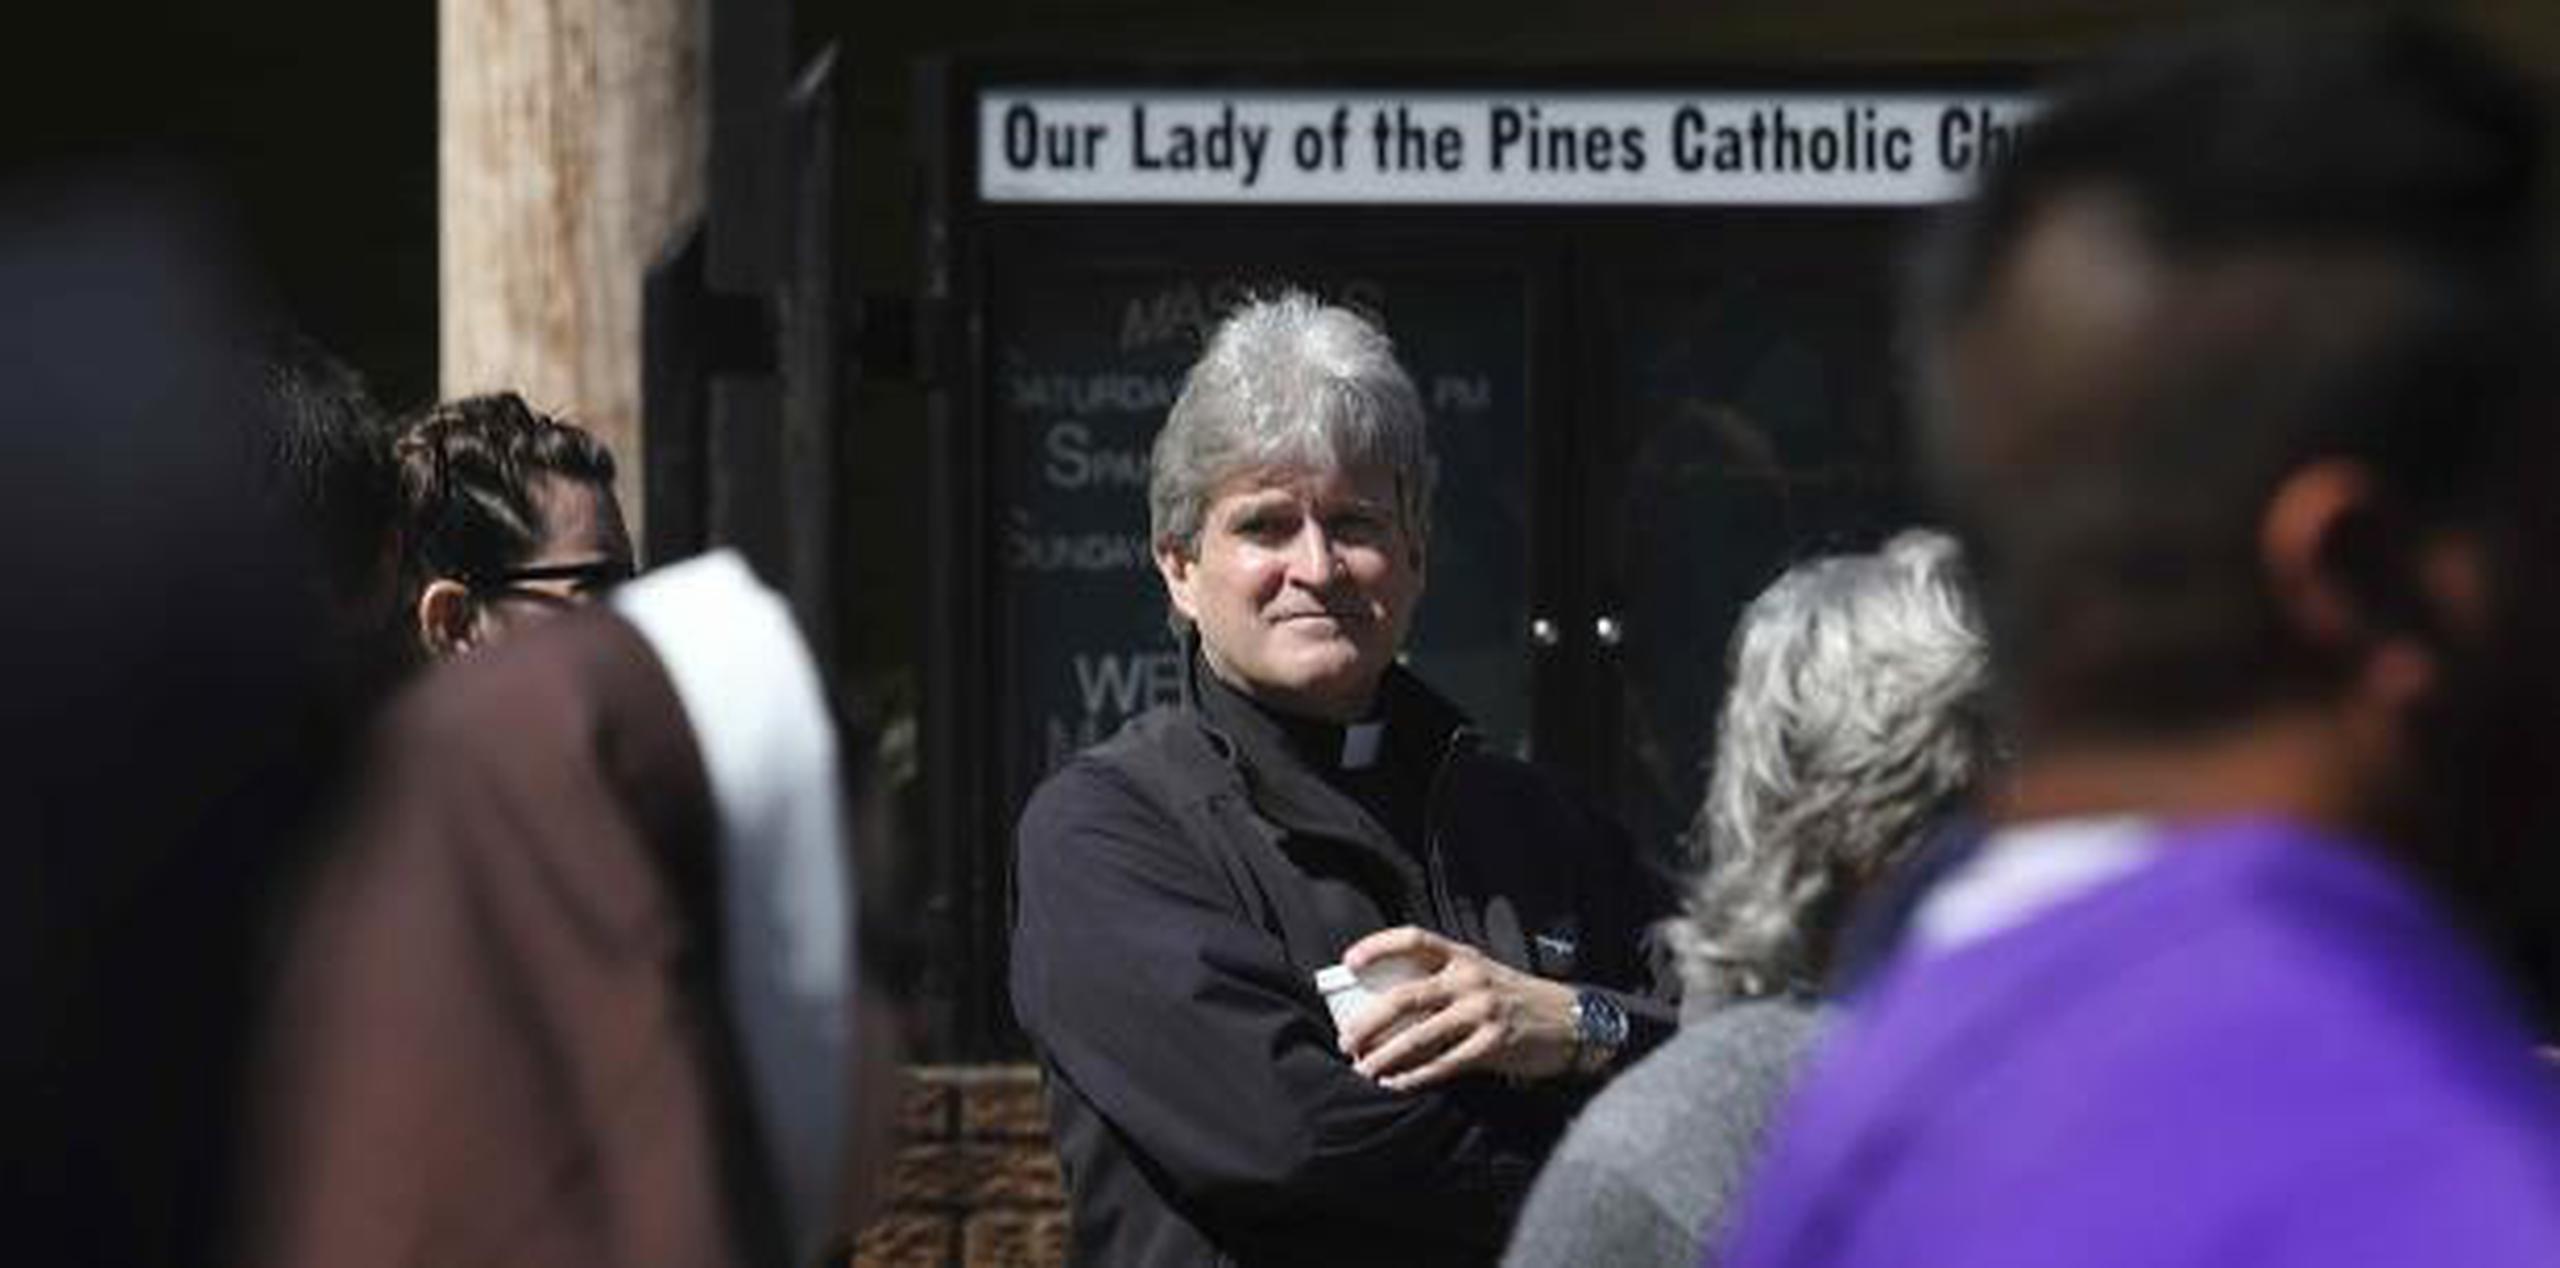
[1857, 714]
[1289, 383]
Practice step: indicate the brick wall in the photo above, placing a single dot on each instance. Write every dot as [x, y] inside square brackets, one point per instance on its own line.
[975, 1184]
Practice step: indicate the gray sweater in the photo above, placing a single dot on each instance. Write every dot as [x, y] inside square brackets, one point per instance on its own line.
[1648, 1174]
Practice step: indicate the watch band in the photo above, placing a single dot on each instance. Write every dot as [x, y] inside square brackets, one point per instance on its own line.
[1599, 1032]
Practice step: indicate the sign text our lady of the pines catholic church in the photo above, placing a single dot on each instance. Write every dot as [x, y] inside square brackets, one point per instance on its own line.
[1299, 146]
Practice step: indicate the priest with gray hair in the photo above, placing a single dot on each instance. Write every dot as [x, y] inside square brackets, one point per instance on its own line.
[1311, 808]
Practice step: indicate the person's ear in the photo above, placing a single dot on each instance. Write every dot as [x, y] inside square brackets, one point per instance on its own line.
[2350, 578]
[1175, 564]
[2302, 540]
[447, 618]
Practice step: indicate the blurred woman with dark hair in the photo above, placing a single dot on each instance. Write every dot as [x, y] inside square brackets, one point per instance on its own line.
[510, 516]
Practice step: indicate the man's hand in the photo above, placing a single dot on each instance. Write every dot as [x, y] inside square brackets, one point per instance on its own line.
[1471, 1013]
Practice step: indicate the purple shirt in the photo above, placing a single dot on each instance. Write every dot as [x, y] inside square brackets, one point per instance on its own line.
[2261, 1047]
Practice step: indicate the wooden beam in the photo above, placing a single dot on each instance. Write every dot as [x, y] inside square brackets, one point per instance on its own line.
[571, 147]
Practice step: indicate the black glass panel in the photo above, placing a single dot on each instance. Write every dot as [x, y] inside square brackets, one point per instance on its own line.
[1758, 423]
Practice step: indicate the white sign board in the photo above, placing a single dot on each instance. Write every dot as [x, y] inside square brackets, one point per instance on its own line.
[1526, 148]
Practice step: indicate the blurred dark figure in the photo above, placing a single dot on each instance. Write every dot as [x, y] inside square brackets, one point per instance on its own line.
[167, 719]
[330, 450]
[580, 987]
[510, 518]
[2242, 389]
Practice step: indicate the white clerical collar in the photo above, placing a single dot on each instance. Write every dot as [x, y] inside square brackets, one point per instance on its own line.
[1360, 744]
[2023, 871]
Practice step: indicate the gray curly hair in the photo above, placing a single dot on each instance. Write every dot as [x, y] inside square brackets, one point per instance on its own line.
[1289, 383]
[1857, 713]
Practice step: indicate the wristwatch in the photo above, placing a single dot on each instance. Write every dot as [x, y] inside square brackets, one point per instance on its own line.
[1599, 1031]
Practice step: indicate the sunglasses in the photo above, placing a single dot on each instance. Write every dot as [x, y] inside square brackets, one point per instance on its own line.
[586, 580]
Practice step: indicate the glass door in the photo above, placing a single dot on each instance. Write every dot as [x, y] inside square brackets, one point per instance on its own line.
[1753, 418]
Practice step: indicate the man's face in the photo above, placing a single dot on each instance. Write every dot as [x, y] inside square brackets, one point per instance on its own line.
[584, 551]
[1301, 585]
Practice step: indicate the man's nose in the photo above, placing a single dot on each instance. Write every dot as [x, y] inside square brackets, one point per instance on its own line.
[1311, 557]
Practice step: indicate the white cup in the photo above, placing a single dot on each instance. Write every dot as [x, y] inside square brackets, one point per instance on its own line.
[1347, 994]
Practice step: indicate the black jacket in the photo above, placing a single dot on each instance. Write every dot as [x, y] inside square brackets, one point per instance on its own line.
[1179, 886]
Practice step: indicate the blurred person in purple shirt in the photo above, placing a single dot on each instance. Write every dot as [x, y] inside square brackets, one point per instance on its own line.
[2239, 389]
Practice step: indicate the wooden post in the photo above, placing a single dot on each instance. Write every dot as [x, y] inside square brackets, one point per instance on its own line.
[571, 146]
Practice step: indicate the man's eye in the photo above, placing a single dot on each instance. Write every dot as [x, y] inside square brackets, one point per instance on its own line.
[1264, 527]
[1358, 526]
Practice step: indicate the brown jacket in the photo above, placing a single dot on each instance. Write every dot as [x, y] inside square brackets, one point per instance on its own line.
[498, 1039]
